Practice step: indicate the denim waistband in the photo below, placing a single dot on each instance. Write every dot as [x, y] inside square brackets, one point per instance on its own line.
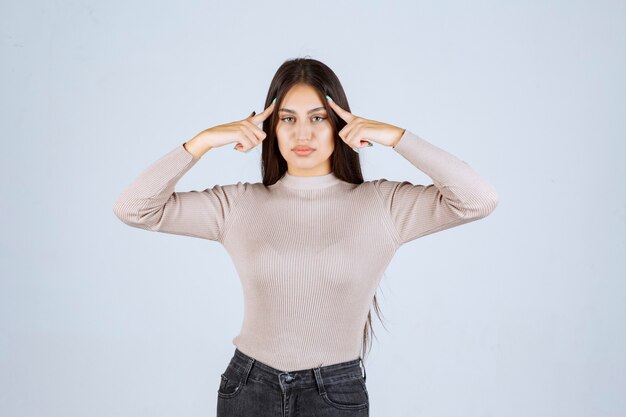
[249, 367]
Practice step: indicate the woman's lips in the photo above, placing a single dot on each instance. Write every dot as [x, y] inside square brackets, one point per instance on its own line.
[303, 152]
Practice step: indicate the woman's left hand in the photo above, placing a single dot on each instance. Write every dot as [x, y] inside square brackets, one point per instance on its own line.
[359, 131]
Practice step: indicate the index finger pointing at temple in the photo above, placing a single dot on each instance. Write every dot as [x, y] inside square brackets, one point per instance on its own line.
[264, 114]
[345, 115]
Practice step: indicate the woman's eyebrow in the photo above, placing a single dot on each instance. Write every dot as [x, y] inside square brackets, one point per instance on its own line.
[310, 111]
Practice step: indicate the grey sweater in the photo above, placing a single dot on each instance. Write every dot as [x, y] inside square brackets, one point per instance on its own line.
[309, 251]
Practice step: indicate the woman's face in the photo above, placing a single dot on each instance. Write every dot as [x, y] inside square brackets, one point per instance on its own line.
[303, 122]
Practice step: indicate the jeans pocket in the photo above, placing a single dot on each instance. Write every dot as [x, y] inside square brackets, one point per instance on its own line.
[347, 394]
[231, 383]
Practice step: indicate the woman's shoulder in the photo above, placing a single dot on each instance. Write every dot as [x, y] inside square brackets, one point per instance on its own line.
[382, 182]
[234, 187]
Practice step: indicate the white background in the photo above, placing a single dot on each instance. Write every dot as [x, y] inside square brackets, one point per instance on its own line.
[519, 314]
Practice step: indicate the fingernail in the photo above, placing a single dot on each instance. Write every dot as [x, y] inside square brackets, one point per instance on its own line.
[370, 144]
[328, 97]
[356, 150]
[235, 148]
[274, 101]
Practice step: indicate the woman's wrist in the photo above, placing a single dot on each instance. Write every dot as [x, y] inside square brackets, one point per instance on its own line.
[199, 144]
[401, 132]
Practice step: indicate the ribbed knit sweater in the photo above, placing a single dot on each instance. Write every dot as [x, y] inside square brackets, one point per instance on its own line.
[309, 250]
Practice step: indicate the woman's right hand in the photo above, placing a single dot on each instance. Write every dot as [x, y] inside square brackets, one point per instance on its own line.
[244, 132]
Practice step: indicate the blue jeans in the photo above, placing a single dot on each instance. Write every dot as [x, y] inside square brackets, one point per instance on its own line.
[252, 388]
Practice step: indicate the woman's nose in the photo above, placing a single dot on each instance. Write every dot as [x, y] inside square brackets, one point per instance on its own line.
[304, 131]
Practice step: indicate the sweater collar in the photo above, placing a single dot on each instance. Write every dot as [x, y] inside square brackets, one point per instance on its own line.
[309, 182]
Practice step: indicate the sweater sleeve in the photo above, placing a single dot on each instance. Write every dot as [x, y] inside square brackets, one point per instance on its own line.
[457, 196]
[151, 203]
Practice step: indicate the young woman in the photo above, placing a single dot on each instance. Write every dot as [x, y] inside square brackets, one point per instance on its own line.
[311, 242]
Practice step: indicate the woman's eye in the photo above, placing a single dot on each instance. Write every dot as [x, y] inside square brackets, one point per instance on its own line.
[284, 119]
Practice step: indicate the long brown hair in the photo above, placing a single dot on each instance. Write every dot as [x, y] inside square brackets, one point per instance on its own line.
[344, 161]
